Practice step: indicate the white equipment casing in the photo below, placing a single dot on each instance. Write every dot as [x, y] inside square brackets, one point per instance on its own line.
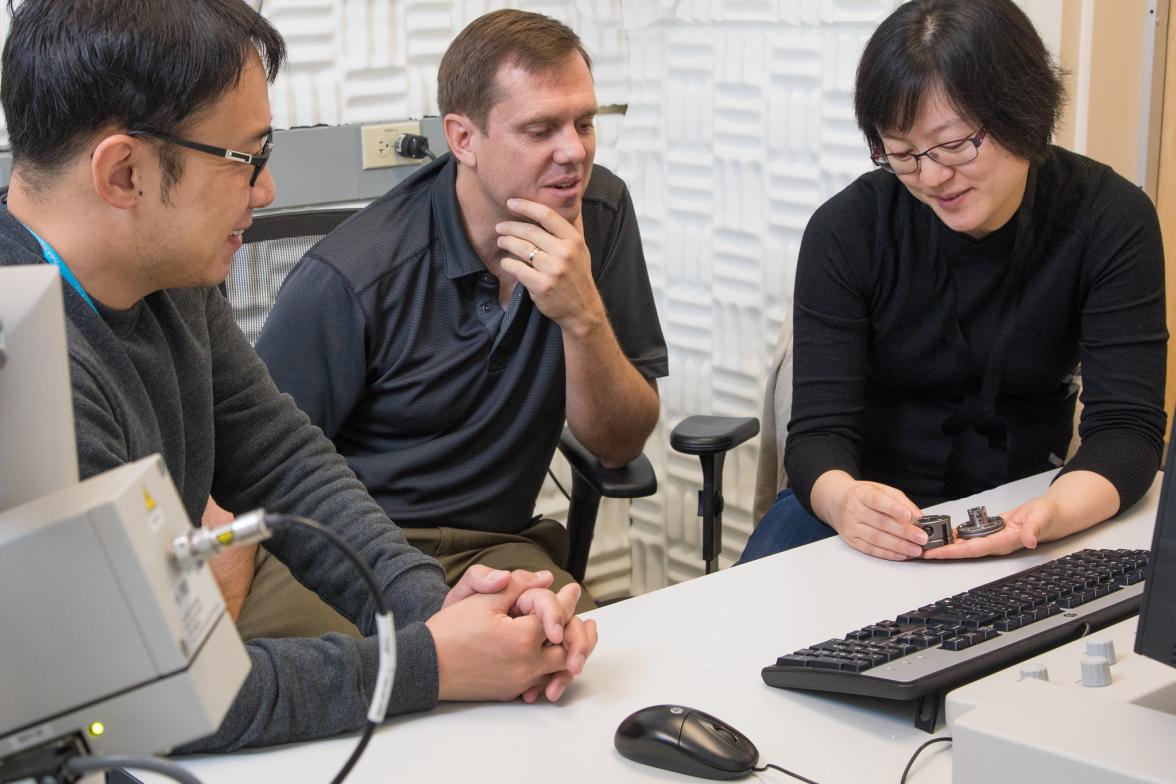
[38, 446]
[1006, 727]
[101, 628]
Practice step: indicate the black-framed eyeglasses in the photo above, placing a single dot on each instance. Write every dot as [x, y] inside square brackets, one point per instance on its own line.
[953, 153]
[257, 161]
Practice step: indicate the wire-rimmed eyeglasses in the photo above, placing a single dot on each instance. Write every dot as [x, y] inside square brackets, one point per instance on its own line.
[257, 161]
[953, 153]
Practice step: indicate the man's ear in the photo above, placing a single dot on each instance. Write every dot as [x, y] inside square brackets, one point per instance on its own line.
[116, 169]
[462, 133]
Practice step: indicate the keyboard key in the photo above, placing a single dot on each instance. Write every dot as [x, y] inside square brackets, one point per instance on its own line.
[945, 618]
[875, 658]
[976, 621]
[884, 631]
[835, 646]
[792, 660]
[914, 618]
[825, 663]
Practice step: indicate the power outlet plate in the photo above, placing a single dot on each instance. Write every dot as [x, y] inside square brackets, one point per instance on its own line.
[377, 143]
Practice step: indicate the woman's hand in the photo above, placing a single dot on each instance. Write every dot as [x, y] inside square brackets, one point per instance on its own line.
[1023, 526]
[871, 517]
[1074, 502]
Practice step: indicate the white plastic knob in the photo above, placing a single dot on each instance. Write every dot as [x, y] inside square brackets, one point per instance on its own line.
[1034, 670]
[1101, 646]
[1096, 671]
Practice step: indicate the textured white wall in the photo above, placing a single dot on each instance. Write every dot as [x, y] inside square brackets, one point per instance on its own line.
[739, 125]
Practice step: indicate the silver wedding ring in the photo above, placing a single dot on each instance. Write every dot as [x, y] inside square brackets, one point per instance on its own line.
[531, 256]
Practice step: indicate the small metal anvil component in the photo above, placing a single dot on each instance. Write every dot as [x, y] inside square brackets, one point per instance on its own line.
[979, 524]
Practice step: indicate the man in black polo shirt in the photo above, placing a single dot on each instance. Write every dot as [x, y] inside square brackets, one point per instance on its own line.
[440, 336]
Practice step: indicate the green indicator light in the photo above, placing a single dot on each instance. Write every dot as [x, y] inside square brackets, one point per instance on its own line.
[97, 728]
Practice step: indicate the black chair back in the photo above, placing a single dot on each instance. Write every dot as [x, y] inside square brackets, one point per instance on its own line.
[273, 245]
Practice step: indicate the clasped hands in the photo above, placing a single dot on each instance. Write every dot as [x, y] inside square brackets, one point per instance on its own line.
[501, 635]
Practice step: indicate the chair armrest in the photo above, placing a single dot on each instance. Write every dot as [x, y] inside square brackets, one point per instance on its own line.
[635, 480]
[711, 438]
[590, 481]
[708, 435]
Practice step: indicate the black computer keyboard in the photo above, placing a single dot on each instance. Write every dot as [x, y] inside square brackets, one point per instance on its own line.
[939, 646]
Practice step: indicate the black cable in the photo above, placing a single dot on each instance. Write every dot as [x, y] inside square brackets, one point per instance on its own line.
[784, 770]
[413, 145]
[557, 483]
[918, 751]
[80, 766]
[275, 520]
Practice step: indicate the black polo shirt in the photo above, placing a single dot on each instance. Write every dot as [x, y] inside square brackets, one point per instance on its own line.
[390, 336]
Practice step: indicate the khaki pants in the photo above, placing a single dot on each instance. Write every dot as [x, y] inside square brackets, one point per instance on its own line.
[280, 606]
[542, 546]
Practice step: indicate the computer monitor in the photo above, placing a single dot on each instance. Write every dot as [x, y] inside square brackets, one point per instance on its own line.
[38, 447]
[1156, 635]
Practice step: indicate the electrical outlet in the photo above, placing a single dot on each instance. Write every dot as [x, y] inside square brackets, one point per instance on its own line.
[377, 143]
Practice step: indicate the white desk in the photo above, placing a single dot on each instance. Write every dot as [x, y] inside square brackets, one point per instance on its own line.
[700, 644]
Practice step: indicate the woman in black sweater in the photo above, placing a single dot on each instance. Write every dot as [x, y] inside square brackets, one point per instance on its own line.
[945, 302]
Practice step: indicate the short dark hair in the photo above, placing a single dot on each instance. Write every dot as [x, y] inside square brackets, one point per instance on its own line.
[466, 78]
[986, 57]
[72, 67]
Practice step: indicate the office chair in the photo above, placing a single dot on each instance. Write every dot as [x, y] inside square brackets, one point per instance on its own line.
[273, 244]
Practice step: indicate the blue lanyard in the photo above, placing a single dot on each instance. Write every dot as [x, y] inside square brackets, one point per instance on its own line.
[53, 258]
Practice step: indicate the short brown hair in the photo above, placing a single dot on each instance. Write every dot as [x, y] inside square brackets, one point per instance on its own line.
[534, 42]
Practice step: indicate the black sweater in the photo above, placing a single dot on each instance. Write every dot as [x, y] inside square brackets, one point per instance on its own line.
[896, 317]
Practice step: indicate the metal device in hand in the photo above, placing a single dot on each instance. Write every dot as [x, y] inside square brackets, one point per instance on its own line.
[938, 530]
[979, 524]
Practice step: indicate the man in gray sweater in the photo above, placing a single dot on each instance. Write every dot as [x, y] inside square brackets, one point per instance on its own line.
[117, 114]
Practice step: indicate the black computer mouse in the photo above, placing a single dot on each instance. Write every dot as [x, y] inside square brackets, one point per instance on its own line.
[686, 740]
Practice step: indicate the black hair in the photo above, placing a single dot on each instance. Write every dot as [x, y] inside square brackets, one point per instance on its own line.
[72, 67]
[984, 55]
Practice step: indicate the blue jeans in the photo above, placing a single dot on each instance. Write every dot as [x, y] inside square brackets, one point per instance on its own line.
[786, 525]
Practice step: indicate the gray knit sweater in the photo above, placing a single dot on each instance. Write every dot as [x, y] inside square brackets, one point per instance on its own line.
[174, 375]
